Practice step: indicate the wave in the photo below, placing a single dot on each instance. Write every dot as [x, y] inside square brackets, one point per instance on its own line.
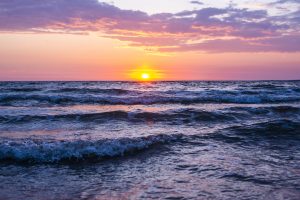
[275, 128]
[185, 115]
[268, 109]
[112, 91]
[265, 133]
[266, 86]
[27, 89]
[35, 151]
[250, 178]
[8, 99]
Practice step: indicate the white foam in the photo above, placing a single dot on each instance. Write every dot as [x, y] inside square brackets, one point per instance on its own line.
[55, 151]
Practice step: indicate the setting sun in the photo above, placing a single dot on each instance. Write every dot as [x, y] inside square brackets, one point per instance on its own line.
[146, 73]
[145, 76]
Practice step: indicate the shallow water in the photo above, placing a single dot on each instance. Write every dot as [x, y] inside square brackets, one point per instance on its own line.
[167, 140]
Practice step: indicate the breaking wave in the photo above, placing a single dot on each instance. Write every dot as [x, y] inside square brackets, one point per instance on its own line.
[36, 99]
[36, 151]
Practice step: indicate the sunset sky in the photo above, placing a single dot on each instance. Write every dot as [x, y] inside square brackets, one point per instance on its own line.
[170, 39]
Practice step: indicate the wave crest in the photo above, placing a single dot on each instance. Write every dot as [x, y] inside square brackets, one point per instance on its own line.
[9, 99]
[188, 115]
[35, 151]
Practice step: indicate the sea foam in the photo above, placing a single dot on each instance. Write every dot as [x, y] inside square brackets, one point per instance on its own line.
[41, 151]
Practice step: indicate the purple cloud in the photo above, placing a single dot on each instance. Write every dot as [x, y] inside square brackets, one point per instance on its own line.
[197, 2]
[209, 29]
[30, 14]
[282, 44]
[285, 1]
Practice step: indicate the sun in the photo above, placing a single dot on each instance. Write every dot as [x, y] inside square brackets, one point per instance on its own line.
[145, 76]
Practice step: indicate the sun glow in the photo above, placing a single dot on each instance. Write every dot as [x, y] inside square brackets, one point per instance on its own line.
[146, 74]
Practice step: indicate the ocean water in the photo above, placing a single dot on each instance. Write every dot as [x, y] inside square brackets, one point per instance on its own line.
[158, 140]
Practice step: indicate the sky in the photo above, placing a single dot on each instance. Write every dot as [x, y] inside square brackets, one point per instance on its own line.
[171, 40]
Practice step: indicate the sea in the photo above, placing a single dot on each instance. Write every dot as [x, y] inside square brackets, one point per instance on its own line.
[150, 140]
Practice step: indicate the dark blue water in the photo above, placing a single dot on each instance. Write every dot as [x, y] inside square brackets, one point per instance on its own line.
[160, 140]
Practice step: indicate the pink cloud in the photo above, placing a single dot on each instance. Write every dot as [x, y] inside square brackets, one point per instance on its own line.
[208, 29]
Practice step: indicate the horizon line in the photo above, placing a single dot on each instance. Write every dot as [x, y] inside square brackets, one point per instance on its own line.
[134, 81]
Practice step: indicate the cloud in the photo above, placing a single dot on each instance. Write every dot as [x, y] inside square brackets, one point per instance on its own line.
[31, 14]
[197, 2]
[285, 1]
[227, 29]
[281, 44]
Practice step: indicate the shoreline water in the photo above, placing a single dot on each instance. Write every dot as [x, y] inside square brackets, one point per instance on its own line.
[168, 140]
